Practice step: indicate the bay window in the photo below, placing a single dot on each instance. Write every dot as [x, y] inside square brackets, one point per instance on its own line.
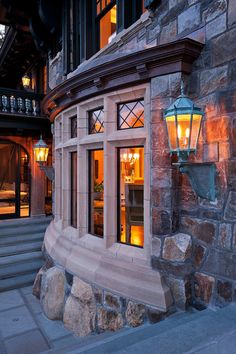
[109, 199]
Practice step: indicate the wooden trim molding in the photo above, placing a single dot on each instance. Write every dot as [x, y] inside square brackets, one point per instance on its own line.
[122, 71]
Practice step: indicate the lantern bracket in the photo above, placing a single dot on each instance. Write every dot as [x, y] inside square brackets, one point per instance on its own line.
[201, 177]
[48, 170]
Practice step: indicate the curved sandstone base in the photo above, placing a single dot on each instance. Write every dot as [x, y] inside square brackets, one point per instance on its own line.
[104, 292]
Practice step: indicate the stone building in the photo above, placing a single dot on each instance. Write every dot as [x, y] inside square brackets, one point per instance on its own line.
[131, 240]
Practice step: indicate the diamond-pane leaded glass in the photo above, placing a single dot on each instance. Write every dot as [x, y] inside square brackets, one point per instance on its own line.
[131, 115]
[73, 122]
[96, 121]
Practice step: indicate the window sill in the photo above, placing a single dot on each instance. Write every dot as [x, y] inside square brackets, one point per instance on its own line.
[128, 253]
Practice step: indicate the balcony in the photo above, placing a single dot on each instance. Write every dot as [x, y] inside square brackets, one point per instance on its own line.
[20, 103]
[21, 114]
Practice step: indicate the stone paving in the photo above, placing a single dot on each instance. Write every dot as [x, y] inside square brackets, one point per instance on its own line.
[25, 330]
[23, 327]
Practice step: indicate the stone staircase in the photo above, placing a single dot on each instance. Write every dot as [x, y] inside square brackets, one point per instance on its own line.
[201, 332]
[20, 251]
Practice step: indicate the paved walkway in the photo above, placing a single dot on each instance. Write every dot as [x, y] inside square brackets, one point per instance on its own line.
[25, 330]
[23, 327]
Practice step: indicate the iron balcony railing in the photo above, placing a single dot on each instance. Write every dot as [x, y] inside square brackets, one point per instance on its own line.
[20, 102]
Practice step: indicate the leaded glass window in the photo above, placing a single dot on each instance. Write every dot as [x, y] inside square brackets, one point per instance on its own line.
[131, 115]
[96, 121]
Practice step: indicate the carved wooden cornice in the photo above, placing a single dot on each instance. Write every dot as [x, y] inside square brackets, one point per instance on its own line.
[123, 71]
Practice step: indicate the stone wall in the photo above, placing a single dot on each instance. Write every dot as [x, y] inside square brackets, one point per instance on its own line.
[205, 273]
[85, 308]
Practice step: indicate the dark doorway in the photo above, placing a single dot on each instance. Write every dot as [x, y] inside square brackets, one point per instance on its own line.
[14, 181]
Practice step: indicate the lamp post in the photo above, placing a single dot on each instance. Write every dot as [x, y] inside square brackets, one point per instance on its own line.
[183, 121]
[41, 154]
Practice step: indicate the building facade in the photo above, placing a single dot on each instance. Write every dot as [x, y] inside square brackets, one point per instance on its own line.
[131, 240]
[23, 187]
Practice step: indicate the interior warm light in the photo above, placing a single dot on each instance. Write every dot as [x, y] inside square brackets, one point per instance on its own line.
[113, 15]
[129, 157]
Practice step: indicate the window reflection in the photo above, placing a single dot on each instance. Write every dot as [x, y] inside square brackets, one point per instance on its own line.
[74, 189]
[96, 121]
[131, 202]
[96, 193]
[131, 115]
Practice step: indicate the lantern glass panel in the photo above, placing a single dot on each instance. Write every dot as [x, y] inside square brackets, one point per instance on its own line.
[183, 130]
[41, 154]
[196, 123]
[171, 127]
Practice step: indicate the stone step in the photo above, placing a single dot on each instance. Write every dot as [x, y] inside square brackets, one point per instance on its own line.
[16, 282]
[20, 248]
[17, 223]
[19, 258]
[97, 343]
[11, 270]
[18, 238]
[175, 335]
[23, 230]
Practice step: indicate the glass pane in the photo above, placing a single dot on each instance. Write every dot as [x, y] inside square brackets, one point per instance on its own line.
[196, 122]
[96, 193]
[7, 178]
[131, 202]
[108, 27]
[171, 127]
[96, 121]
[24, 183]
[74, 189]
[73, 127]
[183, 130]
[131, 115]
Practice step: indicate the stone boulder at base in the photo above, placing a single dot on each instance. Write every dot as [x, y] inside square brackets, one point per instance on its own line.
[80, 309]
[109, 320]
[135, 314]
[78, 317]
[52, 295]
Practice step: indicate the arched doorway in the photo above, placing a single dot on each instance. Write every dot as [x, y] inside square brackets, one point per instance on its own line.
[14, 181]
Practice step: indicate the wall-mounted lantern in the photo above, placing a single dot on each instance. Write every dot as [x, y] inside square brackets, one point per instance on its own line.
[41, 150]
[26, 81]
[183, 120]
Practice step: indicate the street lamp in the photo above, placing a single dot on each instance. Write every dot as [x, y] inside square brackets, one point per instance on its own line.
[41, 150]
[183, 121]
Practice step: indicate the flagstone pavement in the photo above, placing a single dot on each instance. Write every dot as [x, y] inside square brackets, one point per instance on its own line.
[23, 327]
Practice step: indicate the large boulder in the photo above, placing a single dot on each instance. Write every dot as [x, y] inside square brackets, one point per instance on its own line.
[79, 317]
[52, 295]
[36, 290]
[82, 291]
